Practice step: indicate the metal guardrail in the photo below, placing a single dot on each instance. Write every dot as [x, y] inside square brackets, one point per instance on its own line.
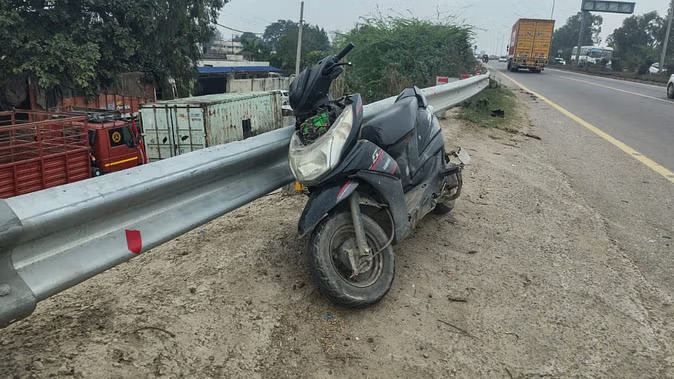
[53, 239]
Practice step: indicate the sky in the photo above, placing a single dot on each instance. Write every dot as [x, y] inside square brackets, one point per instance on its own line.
[493, 19]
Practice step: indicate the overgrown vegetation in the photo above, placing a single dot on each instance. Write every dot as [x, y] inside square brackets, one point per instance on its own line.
[487, 107]
[389, 51]
[88, 43]
[638, 42]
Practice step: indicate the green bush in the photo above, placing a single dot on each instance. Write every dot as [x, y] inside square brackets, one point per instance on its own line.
[394, 53]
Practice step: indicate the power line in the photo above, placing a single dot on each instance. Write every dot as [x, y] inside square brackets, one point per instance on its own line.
[235, 30]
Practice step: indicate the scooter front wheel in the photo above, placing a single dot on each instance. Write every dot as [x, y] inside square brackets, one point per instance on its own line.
[329, 264]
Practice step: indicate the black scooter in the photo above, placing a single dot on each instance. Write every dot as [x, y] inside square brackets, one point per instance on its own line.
[369, 184]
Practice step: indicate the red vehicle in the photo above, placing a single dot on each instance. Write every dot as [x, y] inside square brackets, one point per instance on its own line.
[39, 150]
[115, 141]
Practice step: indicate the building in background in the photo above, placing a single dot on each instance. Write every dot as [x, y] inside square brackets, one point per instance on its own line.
[225, 47]
[232, 73]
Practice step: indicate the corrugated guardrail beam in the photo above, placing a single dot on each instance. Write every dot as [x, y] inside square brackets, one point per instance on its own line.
[53, 239]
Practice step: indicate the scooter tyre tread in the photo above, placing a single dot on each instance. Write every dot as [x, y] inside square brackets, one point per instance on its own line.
[330, 283]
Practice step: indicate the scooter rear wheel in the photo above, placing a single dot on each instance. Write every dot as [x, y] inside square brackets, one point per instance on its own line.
[329, 266]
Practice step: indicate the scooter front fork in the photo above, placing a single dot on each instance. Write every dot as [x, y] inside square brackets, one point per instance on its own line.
[359, 229]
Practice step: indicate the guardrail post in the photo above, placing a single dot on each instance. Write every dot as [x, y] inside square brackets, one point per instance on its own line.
[16, 299]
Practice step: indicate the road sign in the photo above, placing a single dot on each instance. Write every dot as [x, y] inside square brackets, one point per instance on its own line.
[608, 6]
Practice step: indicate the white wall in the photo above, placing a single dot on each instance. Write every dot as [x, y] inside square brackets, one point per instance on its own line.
[261, 84]
[229, 63]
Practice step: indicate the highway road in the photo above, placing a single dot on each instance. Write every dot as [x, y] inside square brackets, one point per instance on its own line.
[612, 140]
[638, 115]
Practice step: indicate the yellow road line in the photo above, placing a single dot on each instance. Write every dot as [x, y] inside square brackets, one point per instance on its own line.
[616, 89]
[120, 162]
[635, 154]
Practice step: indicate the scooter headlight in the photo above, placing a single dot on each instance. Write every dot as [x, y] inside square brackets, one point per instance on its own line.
[309, 162]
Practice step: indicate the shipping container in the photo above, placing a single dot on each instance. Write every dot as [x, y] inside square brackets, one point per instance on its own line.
[39, 150]
[530, 44]
[179, 126]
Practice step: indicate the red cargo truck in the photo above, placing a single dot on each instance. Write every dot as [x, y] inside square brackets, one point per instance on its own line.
[39, 150]
[114, 139]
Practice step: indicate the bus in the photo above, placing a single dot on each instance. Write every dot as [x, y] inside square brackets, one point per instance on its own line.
[593, 54]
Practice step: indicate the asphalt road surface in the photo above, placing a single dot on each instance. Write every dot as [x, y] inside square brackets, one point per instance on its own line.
[639, 115]
[634, 200]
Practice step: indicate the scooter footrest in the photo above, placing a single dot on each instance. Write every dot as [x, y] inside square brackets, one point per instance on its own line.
[450, 170]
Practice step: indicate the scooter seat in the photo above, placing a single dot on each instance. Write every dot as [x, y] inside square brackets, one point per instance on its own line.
[391, 125]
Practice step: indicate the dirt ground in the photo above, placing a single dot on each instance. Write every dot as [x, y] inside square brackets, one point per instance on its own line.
[520, 281]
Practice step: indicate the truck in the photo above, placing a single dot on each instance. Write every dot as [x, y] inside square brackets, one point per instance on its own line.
[529, 46]
[179, 126]
[40, 149]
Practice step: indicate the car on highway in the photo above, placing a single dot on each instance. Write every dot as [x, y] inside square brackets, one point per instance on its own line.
[654, 69]
[503, 59]
[670, 87]
[560, 61]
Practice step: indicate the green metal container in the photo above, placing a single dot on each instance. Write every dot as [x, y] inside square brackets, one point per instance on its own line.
[174, 127]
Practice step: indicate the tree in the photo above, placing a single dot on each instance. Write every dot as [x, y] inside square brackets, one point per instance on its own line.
[245, 36]
[86, 43]
[387, 54]
[217, 36]
[638, 42]
[566, 38]
[254, 48]
[314, 39]
[274, 31]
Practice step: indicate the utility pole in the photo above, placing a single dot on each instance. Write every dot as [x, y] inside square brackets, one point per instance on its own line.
[664, 45]
[583, 18]
[299, 42]
[552, 14]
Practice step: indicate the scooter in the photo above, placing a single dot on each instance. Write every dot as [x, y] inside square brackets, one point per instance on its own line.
[369, 183]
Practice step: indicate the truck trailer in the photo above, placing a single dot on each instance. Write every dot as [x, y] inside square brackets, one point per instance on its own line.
[530, 44]
[40, 150]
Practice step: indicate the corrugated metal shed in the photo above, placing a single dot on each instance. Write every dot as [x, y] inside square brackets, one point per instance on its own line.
[224, 70]
[179, 126]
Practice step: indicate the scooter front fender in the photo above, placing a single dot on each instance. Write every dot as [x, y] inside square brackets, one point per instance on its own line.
[323, 201]
[388, 188]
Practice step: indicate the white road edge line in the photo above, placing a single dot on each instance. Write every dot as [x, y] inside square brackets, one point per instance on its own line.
[615, 89]
[608, 79]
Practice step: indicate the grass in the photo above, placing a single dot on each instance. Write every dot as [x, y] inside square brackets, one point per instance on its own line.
[480, 109]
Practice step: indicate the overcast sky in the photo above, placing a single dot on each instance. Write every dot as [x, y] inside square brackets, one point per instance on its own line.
[492, 18]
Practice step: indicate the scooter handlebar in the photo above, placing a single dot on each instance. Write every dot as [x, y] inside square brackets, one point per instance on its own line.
[345, 51]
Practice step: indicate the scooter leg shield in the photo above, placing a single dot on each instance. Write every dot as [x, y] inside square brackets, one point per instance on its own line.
[390, 189]
[321, 202]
